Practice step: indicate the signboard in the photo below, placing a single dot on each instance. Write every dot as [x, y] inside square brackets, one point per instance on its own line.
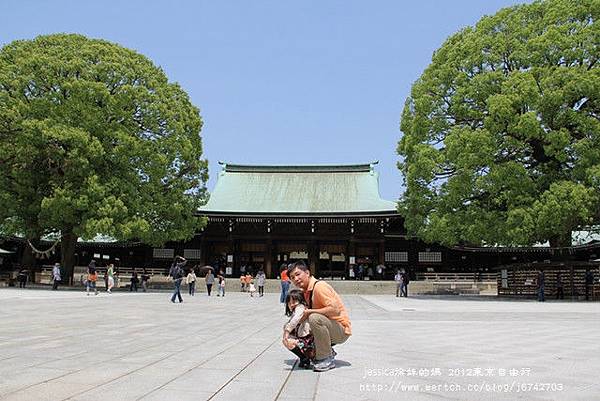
[229, 258]
[352, 260]
[299, 255]
[229, 271]
[338, 258]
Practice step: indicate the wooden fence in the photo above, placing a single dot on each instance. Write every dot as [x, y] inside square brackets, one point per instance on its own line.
[461, 277]
[521, 281]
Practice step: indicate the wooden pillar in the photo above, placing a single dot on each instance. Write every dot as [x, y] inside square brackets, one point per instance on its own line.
[382, 252]
[351, 251]
[268, 257]
[312, 256]
[275, 267]
[206, 252]
[236, 257]
[203, 250]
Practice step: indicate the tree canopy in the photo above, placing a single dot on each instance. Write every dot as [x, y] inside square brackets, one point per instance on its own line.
[94, 139]
[501, 133]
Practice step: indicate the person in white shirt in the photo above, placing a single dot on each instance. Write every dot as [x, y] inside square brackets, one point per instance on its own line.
[56, 276]
[191, 282]
[399, 278]
[221, 285]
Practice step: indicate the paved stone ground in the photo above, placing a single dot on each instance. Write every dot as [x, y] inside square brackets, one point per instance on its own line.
[68, 346]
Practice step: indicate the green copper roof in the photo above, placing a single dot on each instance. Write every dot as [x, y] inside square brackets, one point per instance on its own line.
[339, 189]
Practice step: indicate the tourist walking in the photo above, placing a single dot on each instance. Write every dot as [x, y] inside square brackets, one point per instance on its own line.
[559, 287]
[210, 280]
[370, 273]
[251, 288]
[541, 283]
[247, 280]
[221, 285]
[285, 283]
[110, 278]
[361, 272]
[56, 276]
[404, 286]
[589, 284]
[261, 278]
[176, 273]
[22, 279]
[399, 282]
[380, 269]
[145, 277]
[191, 282]
[133, 283]
[92, 278]
[326, 315]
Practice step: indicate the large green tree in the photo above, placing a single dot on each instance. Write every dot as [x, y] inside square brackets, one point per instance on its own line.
[95, 140]
[501, 133]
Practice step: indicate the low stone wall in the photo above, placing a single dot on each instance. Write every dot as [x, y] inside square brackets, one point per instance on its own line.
[354, 287]
[416, 287]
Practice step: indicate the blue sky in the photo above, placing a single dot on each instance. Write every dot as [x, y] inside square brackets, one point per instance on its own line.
[277, 82]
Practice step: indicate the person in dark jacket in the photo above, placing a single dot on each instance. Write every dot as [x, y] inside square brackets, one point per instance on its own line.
[559, 287]
[589, 284]
[22, 278]
[134, 282]
[145, 278]
[176, 273]
[404, 287]
[541, 283]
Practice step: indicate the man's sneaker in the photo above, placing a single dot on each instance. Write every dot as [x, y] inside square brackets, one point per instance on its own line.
[323, 365]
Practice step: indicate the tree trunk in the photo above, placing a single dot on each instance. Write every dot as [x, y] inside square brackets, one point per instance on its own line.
[560, 241]
[67, 255]
[28, 260]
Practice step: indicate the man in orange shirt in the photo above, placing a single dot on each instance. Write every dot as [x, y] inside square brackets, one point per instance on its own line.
[248, 280]
[326, 314]
[243, 283]
[285, 282]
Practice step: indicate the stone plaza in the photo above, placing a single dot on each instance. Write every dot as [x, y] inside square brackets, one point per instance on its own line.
[64, 345]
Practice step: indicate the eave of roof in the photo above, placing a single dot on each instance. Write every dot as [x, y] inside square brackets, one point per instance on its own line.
[384, 213]
[309, 190]
[338, 168]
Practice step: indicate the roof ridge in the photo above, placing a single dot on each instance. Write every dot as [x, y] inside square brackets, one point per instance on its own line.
[308, 168]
